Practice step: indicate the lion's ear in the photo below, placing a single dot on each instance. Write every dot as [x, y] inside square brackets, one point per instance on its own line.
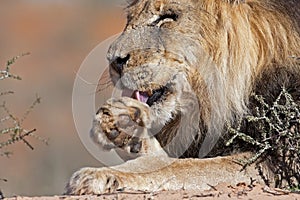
[235, 1]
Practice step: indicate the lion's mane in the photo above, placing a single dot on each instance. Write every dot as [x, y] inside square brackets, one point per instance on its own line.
[254, 45]
[248, 46]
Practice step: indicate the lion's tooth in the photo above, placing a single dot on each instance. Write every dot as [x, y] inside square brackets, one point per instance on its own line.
[136, 95]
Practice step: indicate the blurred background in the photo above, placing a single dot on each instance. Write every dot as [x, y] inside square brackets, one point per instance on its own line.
[59, 34]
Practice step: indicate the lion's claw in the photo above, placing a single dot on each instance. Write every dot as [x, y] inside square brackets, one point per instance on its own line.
[122, 123]
[93, 181]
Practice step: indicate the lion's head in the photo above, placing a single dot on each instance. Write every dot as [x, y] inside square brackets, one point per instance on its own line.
[175, 54]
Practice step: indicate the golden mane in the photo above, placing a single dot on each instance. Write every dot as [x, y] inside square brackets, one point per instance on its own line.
[244, 39]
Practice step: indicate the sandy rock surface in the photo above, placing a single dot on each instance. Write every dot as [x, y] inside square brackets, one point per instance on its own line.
[221, 191]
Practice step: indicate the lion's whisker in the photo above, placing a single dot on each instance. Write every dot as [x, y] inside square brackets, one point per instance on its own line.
[85, 81]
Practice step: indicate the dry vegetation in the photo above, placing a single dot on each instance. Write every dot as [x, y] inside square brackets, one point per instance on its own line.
[11, 129]
[11, 126]
[274, 133]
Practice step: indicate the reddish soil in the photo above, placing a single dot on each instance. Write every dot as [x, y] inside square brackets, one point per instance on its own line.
[222, 191]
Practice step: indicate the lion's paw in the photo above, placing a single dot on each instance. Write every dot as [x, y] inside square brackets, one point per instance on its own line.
[121, 123]
[93, 181]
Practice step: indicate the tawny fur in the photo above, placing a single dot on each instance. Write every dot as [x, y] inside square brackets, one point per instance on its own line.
[212, 55]
[243, 39]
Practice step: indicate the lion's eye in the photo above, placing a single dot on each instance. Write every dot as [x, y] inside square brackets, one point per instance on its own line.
[168, 17]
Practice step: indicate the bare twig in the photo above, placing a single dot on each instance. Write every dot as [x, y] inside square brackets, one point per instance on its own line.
[37, 101]
[276, 191]
[17, 138]
[13, 130]
[4, 74]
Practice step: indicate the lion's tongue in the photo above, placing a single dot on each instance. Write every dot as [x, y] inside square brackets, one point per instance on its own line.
[140, 96]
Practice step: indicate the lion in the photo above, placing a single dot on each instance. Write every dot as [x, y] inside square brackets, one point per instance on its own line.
[187, 68]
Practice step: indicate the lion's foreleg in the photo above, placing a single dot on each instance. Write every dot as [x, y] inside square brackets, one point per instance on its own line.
[154, 173]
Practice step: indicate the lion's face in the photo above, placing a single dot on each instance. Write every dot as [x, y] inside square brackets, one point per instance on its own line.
[154, 58]
[197, 61]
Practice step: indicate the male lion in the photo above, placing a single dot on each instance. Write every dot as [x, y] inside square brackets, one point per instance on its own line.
[188, 68]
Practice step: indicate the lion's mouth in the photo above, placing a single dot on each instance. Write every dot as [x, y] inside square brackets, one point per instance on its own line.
[149, 97]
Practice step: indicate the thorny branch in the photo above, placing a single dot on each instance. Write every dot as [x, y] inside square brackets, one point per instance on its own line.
[4, 74]
[11, 127]
[275, 135]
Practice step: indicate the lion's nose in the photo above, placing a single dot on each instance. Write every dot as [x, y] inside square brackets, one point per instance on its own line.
[119, 63]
